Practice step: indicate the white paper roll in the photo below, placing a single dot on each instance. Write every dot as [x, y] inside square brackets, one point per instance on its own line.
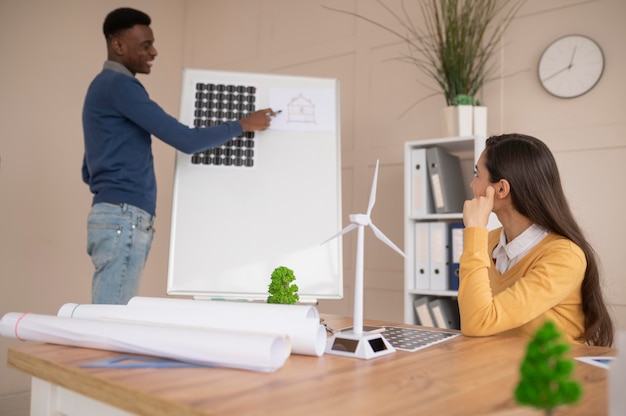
[245, 350]
[307, 336]
[243, 308]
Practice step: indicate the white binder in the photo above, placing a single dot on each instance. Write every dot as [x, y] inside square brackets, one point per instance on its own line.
[445, 313]
[422, 310]
[422, 255]
[439, 246]
[421, 194]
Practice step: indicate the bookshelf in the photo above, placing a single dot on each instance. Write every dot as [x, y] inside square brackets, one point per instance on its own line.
[468, 150]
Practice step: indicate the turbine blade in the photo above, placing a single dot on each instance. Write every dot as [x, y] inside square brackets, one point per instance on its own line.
[382, 237]
[373, 192]
[345, 230]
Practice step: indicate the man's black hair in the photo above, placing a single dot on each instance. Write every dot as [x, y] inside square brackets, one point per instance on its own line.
[122, 19]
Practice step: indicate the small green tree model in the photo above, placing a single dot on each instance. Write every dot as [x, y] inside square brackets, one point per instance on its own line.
[545, 372]
[281, 290]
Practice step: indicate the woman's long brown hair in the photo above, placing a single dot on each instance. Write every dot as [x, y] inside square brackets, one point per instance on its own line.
[536, 192]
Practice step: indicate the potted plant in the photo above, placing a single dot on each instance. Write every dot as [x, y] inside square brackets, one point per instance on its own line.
[453, 43]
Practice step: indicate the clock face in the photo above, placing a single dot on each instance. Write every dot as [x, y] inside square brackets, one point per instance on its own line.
[571, 66]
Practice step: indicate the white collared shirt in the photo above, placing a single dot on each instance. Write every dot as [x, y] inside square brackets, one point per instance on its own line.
[506, 255]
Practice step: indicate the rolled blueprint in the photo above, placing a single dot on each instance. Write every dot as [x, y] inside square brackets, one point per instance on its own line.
[244, 350]
[237, 308]
[307, 336]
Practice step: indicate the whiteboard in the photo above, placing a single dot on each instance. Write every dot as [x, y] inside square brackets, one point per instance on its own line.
[234, 223]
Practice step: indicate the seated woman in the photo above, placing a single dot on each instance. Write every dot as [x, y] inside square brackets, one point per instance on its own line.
[538, 266]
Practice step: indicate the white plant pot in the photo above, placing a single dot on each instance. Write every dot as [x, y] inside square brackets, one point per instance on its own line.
[457, 120]
[464, 120]
[480, 121]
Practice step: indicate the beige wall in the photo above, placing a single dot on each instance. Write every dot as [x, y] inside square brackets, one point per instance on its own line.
[51, 50]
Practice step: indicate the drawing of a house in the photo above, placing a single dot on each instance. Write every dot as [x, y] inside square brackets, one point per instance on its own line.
[300, 110]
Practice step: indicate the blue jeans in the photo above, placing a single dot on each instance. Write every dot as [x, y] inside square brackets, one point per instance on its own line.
[119, 238]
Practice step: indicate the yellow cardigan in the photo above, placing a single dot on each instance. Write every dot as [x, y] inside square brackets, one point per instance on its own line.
[544, 284]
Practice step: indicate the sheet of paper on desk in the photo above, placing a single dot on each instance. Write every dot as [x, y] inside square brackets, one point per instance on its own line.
[414, 339]
[300, 322]
[134, 361]
[244, 350]
[602, 362]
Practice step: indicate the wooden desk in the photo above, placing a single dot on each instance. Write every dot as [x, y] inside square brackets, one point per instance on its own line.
[462, 376]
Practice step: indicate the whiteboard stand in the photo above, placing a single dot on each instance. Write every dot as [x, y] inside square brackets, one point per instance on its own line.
[262, 200]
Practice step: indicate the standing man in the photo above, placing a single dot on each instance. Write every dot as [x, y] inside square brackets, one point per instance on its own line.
[119, 119]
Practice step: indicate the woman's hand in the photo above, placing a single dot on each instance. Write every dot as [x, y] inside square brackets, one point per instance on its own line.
[476, 211]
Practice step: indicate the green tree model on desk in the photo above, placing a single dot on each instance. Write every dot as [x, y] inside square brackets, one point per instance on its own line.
[545, 372]
[281, 290]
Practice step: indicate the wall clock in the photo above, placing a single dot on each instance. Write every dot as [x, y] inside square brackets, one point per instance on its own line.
[571, 66]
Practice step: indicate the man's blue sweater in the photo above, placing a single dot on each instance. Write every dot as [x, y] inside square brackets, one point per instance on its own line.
[118, 120]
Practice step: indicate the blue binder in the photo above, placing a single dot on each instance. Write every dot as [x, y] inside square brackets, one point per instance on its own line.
[456, 248]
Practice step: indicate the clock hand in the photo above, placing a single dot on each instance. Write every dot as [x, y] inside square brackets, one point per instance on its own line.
[571, 64]
[567, 68]
[571, 61]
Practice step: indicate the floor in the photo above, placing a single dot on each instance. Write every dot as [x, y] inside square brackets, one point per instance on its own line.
[15, 405]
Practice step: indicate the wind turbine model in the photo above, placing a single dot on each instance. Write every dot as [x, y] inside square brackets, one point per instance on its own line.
[354, 343]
